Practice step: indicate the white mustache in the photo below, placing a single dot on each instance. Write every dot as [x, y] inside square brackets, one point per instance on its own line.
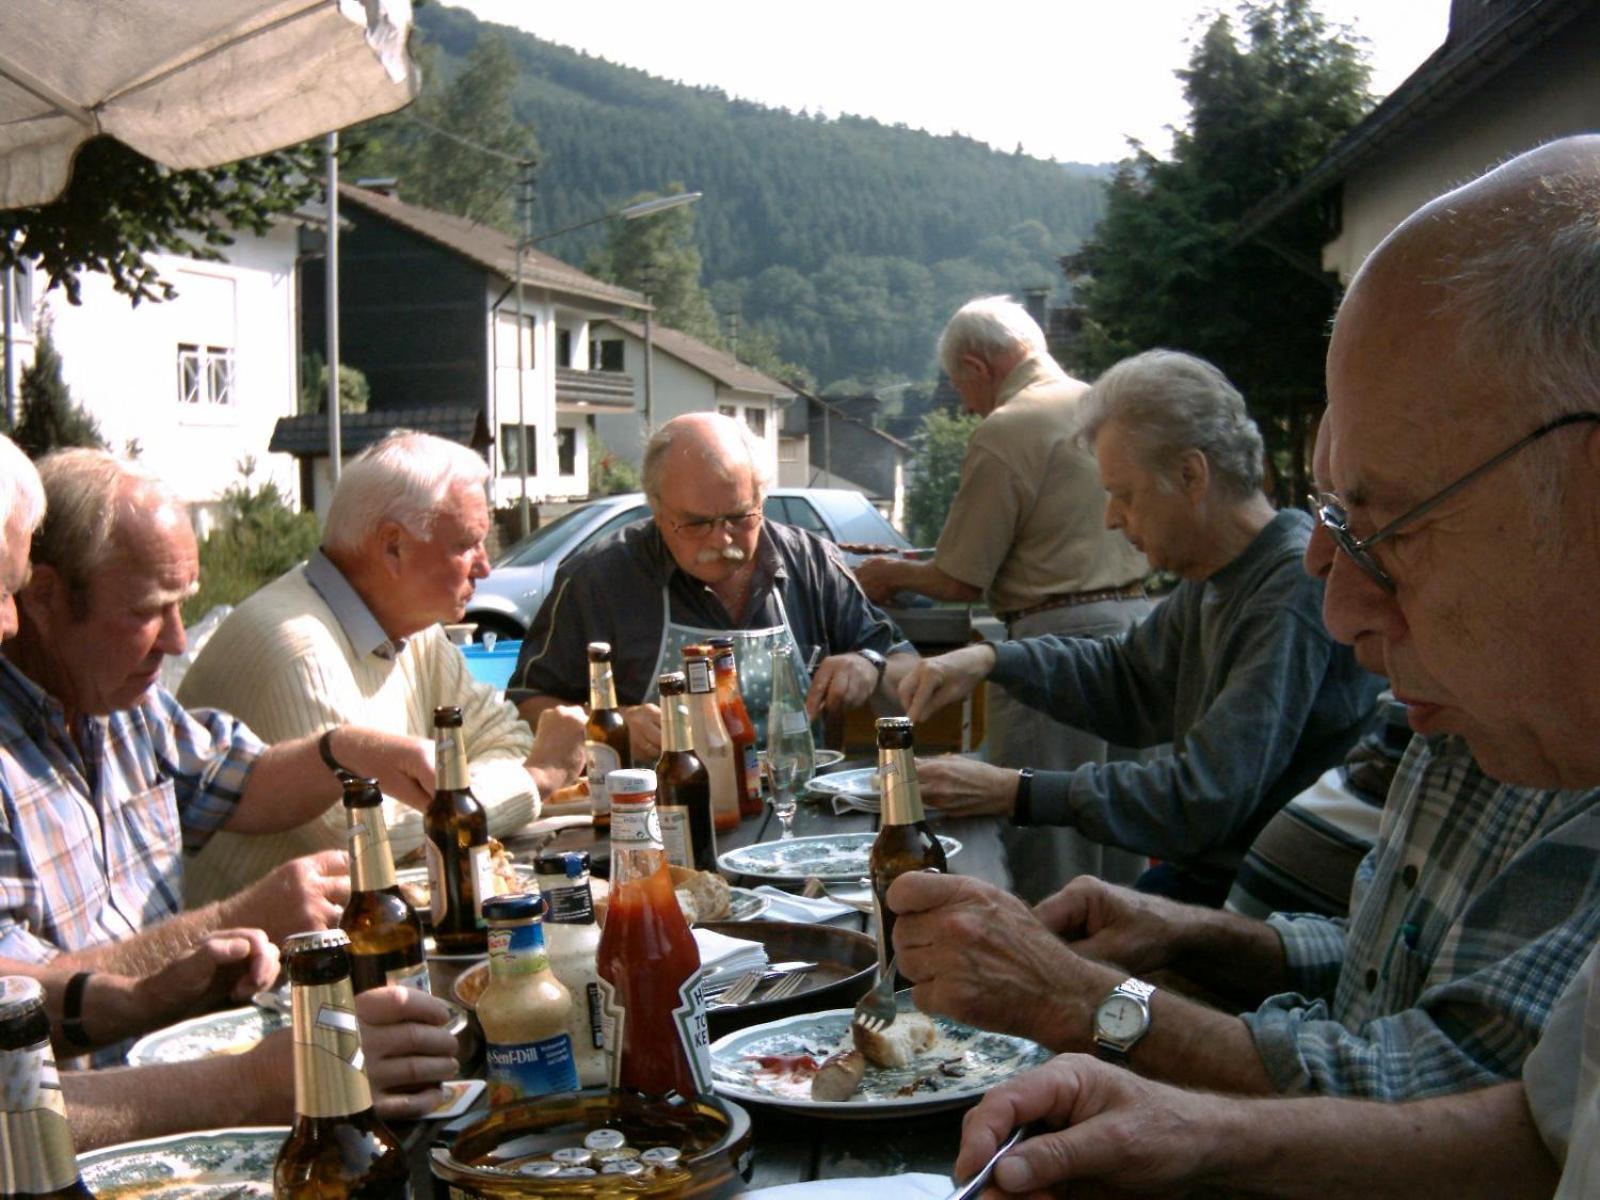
[727, 553]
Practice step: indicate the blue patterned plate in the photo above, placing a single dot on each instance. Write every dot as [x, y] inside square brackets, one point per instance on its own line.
[962, 1064]
[221, 1164]
[232, 1031]
[832, 857]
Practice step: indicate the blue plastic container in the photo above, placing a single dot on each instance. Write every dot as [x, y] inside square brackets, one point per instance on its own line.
[493, 667]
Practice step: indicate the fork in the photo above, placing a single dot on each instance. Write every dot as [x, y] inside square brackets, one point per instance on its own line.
[785, 987]
[876, 1011]
[739, 990]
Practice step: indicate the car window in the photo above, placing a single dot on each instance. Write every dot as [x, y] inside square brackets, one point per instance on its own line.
[626, 517]
[860, 523]
[541, 543]
[802, 514]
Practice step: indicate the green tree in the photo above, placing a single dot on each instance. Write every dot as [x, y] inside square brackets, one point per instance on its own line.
[121, 207]
[1166, 265]
[49, 419]
[608, 474]
[259, 538]
[657, 256]
[355, 393]
[941, 448]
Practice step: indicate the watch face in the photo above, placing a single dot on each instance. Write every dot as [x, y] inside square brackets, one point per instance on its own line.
[1120, 1018]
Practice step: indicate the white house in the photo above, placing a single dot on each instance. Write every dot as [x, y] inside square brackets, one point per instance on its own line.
[687, 376]
[194, 385]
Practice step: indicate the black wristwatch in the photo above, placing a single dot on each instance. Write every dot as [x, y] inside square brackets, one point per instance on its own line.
[1022, 810]
[878, 661]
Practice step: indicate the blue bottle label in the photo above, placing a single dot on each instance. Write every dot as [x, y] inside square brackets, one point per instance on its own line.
[523, 1070]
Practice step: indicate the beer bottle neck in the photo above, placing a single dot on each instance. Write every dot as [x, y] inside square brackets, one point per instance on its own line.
[450, 759]
[897, 774]
[371, 860]
[39, 1157]
[676, 728]
[329, 1075]
[602, 686]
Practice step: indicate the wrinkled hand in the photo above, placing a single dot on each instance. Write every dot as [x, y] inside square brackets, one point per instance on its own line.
[1114, 924]
[230, 964]
[304, 893]
[1107, 1125]
[979, 955]
[644, 731]
[964, 787]
[406, 1043]
[841, 682]
[557, 755]
[403, 766]
[876, 577]
[936, 682]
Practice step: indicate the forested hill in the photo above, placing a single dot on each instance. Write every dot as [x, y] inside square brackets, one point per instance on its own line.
[848, 240]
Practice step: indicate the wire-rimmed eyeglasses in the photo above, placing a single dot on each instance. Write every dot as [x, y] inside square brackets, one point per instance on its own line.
[700, 528]
[1330, 512]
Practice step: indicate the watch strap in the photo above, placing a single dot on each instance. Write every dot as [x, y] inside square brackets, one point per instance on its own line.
[878, 661]
[72, 1028]
[1117, 1052]
[1022, 809]
[325, 749]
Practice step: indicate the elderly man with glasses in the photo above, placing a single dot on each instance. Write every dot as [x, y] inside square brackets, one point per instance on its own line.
[707, 565]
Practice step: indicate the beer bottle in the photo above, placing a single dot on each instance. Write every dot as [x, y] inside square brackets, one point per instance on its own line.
[683, 784]
[572, 937]
[337, 1149]
[741, 729]
[37, 1158]
[385, 931]
[904, 842]
[649, 965]
[460, 873]
[711, 740]
[606, 747]
[524, 1009]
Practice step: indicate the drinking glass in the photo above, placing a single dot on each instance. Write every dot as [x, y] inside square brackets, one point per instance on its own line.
[781, 772]
[490, 637]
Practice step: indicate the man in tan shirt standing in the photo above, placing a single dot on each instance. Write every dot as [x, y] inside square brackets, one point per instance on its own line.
[1027, 531]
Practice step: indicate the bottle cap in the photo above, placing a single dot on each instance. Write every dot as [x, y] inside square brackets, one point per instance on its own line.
[514, 906]
[361, 793]
[720, 643]
[19, 996]
[447, 716]
[894, 723]
[631, 781]
[314, 939]
[672, 683]
[571, 863]
[600, 650]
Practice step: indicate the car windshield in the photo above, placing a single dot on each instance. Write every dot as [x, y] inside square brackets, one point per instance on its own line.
[862, 524]
[542, 542]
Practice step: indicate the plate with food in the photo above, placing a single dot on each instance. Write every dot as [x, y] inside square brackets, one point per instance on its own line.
[220, 1164]
[509, 877]
[820, 1064]
[831, 857]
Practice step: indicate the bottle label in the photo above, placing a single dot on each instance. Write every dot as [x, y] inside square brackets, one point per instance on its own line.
[329, 1068]
[636, 828]
[438, 893]
[413, 977]
[690, 1018]
[450, 759]
[567, 905]
[794, 721]
[521, 1070]
[676, 838]
[517, 950]
[480, 860]
[602, 760]
[371, 861]
[613, 1024]
[699, 672]
[752, 770]
[597, 1015]
[36, 1149]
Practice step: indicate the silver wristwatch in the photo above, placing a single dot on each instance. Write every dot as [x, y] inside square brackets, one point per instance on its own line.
[1122, 1019]
[878, 661]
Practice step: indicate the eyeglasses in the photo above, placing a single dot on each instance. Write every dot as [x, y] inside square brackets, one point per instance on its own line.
[700, 528]
[1330, 512]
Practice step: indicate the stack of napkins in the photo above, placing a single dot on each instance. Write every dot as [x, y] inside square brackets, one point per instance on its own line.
[721, 954]
[802, 910]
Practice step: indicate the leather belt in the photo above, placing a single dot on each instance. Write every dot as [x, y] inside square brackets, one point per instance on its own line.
[1129, 591]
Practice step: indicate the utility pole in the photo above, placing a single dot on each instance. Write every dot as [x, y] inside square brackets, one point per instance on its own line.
[524, 239]
[330, 281]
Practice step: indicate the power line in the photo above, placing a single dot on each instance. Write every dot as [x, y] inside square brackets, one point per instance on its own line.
[469, 143]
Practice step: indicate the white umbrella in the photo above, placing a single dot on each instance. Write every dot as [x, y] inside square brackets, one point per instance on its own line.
[189, 83]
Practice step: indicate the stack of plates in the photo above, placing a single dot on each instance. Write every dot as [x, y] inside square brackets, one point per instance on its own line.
[850, 791]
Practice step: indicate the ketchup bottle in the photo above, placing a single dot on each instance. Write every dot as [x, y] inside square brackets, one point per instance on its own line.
[648, 963]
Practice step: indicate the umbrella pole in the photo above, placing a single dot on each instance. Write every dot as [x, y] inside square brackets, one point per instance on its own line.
[331, 280]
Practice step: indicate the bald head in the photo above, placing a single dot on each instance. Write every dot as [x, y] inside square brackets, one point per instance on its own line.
[704, 442]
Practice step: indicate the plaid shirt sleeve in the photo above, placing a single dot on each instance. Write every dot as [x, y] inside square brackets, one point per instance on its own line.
[18, 896]
[208, 754]
[1313, 948]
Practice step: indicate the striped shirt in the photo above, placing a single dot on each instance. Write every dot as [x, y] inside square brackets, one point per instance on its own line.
[91, 839]
[1476, 907]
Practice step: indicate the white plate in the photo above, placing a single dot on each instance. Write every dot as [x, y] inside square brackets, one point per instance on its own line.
[832, 857]
[231, 1031]
[982, 1059]
[217, 1165]
[819, 758]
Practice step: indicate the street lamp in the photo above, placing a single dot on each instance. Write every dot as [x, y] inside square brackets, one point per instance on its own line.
[645, 208]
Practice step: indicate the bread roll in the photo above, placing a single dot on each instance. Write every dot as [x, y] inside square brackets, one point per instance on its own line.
[898, 1045]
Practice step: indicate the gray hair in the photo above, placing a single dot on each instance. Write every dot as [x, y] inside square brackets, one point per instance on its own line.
[87, 494]
[21, 493]
[989, 327]
[1168, 402]
[403, 478]
[655, 454]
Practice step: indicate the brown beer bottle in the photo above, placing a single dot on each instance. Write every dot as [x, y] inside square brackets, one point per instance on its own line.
[606, 746]
[683, 784]
[904, 842]
[37, 1157]
[385, 931]
[460, 874]
[741, 729]
[337, 1149]
[711, 740]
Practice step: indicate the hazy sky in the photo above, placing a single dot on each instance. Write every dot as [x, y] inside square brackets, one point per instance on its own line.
[1068, 79]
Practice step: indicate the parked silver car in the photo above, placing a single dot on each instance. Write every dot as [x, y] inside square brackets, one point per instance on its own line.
[505, 603]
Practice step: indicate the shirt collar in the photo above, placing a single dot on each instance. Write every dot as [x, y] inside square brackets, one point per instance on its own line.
[365, 635]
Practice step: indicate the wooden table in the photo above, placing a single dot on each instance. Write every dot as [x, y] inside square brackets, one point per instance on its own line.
[788, 1148]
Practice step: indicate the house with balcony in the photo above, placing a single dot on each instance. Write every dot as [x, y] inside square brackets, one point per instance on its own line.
[430, 312]
[687, 375]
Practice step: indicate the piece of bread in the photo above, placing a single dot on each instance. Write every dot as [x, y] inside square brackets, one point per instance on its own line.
[898, 1045]
[702, 895]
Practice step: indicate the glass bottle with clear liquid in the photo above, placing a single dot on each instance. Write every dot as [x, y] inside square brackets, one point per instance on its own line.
[791, 752]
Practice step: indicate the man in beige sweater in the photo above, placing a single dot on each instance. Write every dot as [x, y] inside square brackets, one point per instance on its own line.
[354, 635]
